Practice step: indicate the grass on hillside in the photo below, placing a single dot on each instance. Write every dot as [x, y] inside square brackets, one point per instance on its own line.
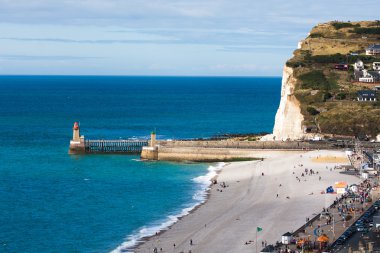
[350, 120]
[328, 96]
[317, 80]
[340, 25]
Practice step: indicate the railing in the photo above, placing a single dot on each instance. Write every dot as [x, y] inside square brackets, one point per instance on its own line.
[114, 146]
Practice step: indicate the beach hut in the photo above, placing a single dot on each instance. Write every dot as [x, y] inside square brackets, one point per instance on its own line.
[286, 238]
[341, 187]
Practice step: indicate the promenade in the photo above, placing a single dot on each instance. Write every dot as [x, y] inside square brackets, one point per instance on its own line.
[332, 222]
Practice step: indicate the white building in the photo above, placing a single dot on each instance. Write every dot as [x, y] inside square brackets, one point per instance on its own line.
[286, 238]
[367, 77]
[376, 66]
[373, 50]
[366, 95]
[359, 65]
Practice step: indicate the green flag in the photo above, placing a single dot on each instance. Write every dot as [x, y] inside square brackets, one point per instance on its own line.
[259, 229]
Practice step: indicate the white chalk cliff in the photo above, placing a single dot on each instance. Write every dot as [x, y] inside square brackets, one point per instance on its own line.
[288, 122]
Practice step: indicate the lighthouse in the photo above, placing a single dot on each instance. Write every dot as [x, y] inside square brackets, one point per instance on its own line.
[153, 139]
[77, 144]
[76, 134]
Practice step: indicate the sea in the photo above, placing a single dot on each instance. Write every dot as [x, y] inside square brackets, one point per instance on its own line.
[51, 201]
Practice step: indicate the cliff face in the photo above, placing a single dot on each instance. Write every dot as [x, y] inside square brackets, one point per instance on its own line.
[288, 123]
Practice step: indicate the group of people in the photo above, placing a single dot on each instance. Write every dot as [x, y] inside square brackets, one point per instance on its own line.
[223, 185]
[174, 246]
[307, 172]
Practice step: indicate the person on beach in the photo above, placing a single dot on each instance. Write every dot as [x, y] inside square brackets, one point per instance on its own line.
[191, 242]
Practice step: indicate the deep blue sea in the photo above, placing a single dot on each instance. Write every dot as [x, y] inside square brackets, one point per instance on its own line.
[54, 202]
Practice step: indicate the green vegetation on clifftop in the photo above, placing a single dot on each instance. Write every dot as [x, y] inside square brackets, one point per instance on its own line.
[328, 97]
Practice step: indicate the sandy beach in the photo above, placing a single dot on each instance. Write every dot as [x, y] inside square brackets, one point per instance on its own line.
[231, 215]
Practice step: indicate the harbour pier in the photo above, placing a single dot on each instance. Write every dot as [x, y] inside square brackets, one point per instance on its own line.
[79, 145]
[200, 150]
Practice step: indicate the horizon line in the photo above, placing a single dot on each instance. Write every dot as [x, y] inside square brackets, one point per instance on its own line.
[82, 75]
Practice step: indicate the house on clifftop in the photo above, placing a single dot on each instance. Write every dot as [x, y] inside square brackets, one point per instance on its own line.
[359, 65]
[376, 66]
[373, 50]
[367, 76]
[366, 95]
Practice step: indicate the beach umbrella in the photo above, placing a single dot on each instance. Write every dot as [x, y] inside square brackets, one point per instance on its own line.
[323, 238]
[300, 242]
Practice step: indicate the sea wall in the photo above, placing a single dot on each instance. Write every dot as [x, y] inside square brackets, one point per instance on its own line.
[76, 147]
[211, 151]
[199, 154]
[149, 153]
[231, 144]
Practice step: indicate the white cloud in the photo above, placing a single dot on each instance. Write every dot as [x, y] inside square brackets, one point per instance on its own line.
[186, 36]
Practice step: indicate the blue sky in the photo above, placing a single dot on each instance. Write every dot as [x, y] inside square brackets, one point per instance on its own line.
[161, 37]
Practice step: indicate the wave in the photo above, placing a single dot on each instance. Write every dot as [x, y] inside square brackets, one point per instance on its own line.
[199, 196]
[205, 181]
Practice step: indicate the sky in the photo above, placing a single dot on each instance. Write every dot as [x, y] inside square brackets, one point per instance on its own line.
[161, 37]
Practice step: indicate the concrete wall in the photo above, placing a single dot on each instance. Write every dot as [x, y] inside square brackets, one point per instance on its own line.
[224, 150]
[149, 153]
[76, 148]
[248, 144]
[200, 154]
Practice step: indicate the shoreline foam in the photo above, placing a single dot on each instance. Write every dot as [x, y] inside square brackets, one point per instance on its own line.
[144, 233]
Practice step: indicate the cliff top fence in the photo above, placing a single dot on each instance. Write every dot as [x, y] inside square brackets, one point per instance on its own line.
[286, 145]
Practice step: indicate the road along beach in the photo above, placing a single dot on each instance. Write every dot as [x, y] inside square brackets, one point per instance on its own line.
[275, 194]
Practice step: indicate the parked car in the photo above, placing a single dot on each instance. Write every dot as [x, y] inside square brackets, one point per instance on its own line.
[360, 228]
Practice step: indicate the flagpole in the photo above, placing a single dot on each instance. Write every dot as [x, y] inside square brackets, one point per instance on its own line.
[256, 240]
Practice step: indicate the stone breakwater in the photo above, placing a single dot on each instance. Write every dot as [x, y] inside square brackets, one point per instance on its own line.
[211, 151]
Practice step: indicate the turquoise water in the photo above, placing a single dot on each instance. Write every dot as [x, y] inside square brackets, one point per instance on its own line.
[51, 201]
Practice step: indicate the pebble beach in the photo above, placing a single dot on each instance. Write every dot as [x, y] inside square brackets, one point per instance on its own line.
[274, 194]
